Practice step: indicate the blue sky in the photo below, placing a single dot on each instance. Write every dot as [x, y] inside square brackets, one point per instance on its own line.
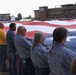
[26, 7]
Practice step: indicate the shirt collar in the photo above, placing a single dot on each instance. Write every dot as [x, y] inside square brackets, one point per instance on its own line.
[59, 44]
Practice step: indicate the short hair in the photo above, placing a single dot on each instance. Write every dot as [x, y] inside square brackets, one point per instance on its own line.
[11, 25]
[59, 33]
[1, 25]
[21, 28]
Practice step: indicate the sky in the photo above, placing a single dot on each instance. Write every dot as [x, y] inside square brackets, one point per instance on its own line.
[27, 7]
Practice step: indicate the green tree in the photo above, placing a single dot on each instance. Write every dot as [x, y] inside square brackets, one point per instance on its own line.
[19, 16]
[29, 17]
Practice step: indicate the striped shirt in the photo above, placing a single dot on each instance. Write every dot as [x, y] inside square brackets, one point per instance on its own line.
[23, 46]
[60, 59]
[39, 56]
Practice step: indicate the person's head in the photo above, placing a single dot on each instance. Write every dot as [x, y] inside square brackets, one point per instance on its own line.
[1, 25]
[21, 30]
[73, 67]
[12, 26]
[38, 38]
[60, 35]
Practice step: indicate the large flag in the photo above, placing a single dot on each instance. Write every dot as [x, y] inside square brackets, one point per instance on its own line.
[47, 28]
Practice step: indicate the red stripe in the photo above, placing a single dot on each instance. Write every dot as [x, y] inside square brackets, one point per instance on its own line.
[6, 29]
[70, 27]
[41, 23]
[48, 24]
[31, 34]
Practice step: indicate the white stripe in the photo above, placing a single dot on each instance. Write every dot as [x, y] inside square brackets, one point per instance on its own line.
[62, 22]
[45, 29]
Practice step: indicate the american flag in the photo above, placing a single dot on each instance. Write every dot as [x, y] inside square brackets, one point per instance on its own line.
[47, 28]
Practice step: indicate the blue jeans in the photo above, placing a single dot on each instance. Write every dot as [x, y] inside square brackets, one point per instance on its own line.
[12, 62]
[27, 68]
[30, 68]
[21, 67]
[3, 58]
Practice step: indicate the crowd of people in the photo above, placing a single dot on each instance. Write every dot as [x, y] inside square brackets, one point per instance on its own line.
[33, 57]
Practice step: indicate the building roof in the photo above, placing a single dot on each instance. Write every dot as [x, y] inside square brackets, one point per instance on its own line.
[68, 5]
[4, 13]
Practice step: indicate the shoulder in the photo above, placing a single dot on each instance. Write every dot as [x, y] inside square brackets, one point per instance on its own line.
[66, 50]
[37, 48]
[10, 32]
[69, 53]
[19, 37]
[41, 49]
[57, 50]
[1, 30]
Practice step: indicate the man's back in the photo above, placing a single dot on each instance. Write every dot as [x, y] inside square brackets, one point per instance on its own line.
[10, 39]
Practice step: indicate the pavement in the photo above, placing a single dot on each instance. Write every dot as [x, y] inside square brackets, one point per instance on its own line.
[3, 73]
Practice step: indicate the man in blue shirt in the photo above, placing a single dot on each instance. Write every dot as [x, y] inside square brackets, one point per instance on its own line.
[23, 46]
[11, 50]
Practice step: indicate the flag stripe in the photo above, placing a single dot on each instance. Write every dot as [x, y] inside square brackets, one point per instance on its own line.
[46, 27]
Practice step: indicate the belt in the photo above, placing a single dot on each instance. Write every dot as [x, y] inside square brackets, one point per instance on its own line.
[10, 46]
[3, 45]
[28, 59]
